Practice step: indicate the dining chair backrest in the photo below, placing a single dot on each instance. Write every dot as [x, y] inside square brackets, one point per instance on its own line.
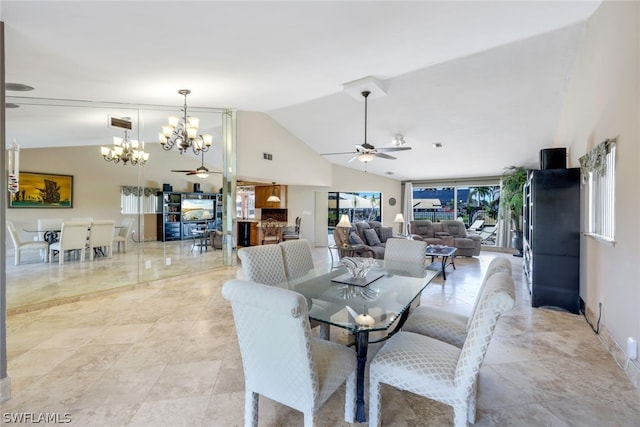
[101, 234]
[298, 258]
[125, 227]
[73, 235]
[498, 264]
[405, 256]
[498, 297]
[263, 264]
[15, 236]
[48, 224]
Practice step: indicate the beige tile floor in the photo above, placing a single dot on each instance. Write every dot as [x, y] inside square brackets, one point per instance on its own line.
[166, 354]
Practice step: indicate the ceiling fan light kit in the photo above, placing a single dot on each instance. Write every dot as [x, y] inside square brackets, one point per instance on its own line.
[367, 152]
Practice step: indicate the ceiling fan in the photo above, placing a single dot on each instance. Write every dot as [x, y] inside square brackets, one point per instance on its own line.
[367, 152]
[200, 172]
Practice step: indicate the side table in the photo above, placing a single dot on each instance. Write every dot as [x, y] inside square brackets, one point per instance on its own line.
[343, 251]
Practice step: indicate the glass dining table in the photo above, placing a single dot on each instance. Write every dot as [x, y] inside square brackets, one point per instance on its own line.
[378, 303]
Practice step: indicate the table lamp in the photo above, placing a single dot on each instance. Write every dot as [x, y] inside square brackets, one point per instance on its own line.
[344, 224]
[400, 220]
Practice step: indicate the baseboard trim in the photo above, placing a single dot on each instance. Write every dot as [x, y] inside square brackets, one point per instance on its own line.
[630, 367]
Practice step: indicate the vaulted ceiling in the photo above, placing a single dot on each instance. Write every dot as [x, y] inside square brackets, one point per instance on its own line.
[485, 79]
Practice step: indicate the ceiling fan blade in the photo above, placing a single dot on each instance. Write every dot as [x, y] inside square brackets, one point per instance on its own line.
[186, 170]
[389, 149]
[385, 156]
[331, 154]
[365, 147]
[191, 172]
[353, 158]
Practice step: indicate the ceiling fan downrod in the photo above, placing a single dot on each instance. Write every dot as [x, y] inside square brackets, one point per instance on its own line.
[366, 94]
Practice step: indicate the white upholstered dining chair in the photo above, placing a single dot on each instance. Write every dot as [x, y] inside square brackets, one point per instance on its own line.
[446, 325]
[263, 264]
[73, 237]
[101, 237]
[298, 258]
[280, 358]
[406, 256]
[20, 246]
[436, 370]
[123, 233]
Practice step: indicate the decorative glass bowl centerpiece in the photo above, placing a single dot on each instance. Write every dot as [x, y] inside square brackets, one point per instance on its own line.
[358, 267]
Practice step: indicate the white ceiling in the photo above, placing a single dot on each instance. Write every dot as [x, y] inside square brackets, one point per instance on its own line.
[487, 79]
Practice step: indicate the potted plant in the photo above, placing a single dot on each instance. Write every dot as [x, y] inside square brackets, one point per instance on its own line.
[513, 180]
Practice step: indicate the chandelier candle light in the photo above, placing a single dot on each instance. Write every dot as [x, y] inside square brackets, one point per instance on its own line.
[125, 150]
[183, 132]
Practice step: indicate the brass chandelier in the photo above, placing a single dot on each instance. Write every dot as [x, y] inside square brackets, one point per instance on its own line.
[183, 132]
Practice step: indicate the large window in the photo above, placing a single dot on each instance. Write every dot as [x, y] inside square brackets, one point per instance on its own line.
[598, 169]
[467, 203]
[359, 206]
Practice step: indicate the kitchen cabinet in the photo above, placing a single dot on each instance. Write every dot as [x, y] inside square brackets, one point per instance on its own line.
[253, 233]
[263, 192]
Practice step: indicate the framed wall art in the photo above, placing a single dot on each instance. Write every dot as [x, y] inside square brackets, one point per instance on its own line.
[43, 190]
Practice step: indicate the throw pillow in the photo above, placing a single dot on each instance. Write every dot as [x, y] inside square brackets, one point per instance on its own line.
[372, 237]
[386, 233]
[354, 239]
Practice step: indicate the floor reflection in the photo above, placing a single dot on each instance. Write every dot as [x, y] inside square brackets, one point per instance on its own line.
[34, 284]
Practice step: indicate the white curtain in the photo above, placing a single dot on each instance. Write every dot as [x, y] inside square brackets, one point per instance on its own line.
[407, 207]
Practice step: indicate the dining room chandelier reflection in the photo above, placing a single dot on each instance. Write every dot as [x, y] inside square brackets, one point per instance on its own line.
[125, 150]
[182, 132]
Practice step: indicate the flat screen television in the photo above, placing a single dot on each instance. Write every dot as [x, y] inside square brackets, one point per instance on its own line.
[197, 209]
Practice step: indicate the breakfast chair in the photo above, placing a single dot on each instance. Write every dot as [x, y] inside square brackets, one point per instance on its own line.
[101, 236]
[270, 232]
[20, 246]
[437, 370]
[292, 234]
[263, 264]
[280, 358]
[446, 325]
[73, 237]
[123, 234]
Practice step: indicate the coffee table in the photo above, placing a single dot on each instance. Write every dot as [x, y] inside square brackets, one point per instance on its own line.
[447, 255]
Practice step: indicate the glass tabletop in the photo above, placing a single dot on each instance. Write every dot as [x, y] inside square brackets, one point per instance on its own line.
[339, 304]
[438, 250]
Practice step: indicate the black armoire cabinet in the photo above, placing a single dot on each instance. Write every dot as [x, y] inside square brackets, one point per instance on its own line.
[552, 238]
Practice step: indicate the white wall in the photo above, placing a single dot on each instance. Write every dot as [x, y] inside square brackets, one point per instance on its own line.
[603, 102]
[294, 163]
